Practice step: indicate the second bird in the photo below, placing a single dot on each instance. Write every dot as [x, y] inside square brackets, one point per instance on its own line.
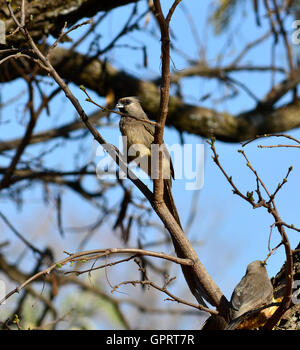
[253, 291]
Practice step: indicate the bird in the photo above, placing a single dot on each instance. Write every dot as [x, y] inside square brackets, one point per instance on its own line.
[134, 124]
[139, 139]
[253, 291]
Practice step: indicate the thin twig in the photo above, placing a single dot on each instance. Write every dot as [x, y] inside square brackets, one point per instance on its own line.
[94, 254]
[19, 235]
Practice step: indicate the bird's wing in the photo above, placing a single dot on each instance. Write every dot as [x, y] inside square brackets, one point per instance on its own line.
[243, 293]
[151, 130]
[150, 133]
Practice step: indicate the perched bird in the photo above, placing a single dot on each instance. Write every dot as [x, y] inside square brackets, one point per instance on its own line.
[253, 291]
[139, 138]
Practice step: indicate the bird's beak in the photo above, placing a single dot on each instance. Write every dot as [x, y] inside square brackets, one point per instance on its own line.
[119, 105]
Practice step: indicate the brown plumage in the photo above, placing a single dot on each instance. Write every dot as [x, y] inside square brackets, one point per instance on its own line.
[140, 137]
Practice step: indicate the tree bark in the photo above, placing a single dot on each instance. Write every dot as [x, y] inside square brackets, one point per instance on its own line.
[46, 17]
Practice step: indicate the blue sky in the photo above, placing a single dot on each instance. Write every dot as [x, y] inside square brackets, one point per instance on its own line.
[231, 233]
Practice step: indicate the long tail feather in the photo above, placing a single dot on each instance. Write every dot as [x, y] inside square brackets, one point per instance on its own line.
[187, 271]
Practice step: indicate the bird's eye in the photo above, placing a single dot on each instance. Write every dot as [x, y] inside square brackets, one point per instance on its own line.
[126, 102]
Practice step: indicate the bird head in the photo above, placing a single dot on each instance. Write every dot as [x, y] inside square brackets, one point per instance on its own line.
[131, 106]
[256, 266]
